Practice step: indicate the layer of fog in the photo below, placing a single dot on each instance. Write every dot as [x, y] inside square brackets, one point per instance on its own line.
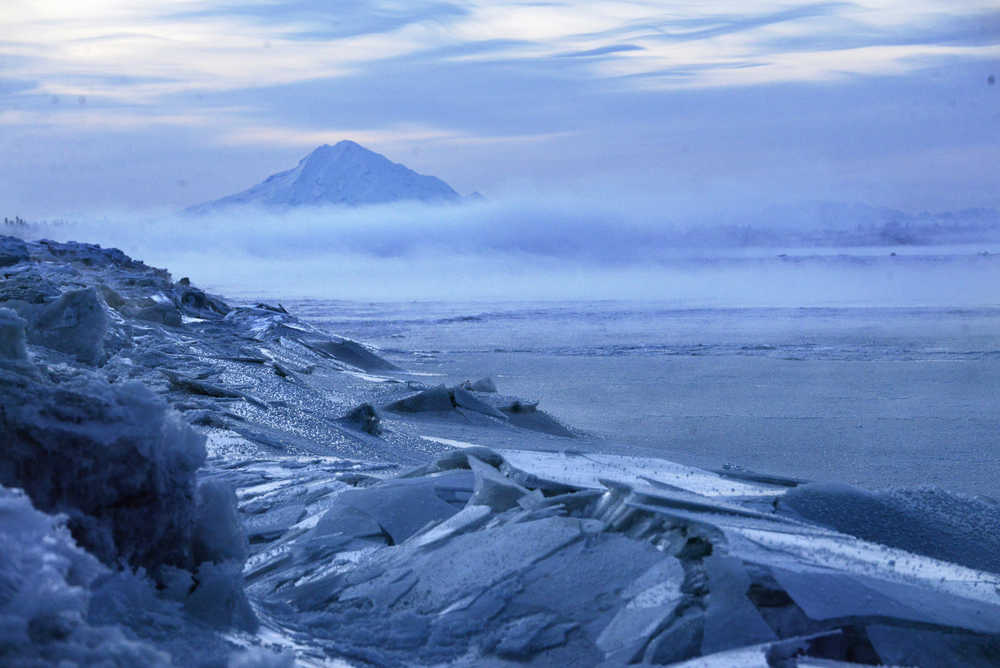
[551, 248]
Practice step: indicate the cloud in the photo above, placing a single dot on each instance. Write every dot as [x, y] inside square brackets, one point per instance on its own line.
[331, 19]
[975, 29]
[603, 51]
[142, 53]
[685, 29]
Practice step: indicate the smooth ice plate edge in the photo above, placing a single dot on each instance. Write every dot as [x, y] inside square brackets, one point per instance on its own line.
[822, 551]
[588, 469]
[450, 442]
[847, 554]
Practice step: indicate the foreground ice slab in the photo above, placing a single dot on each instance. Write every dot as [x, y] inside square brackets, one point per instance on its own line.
[609, 574]
[214, 485]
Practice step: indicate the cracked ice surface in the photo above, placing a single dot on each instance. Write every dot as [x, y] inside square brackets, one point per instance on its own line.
[210, 485]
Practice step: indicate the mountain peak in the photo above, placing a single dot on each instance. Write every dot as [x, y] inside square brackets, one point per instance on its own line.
[344, 174]
[340, 148]
[345, 150]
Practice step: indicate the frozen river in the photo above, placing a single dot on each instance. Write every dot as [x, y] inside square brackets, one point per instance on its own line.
[872, 396]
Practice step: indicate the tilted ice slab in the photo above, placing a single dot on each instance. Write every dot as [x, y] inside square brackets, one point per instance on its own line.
[579, 469]
[574, 571]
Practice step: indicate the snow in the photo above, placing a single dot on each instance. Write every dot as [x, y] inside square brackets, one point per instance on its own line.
[344, 174]
[321, 526]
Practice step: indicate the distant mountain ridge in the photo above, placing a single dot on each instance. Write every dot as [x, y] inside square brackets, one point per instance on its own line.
[346, 174]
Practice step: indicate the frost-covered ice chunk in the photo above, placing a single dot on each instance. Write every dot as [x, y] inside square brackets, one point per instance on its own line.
[467, 400]
[271, 524]
[482, 385]
[365, 418]
[195, 302]
[121, 466]
[45, 581]
[441, 399]
[650, 601]
[525, 636]
[352, 353]
[75, 324]
[112, 457]
[12, 344]
[466, 519]
[731, 620]
[433, 400]
[494, 489]
[219, 598]
[400, 508]
[12, 251]
[162, 313]
[218, 536]
[527, 416]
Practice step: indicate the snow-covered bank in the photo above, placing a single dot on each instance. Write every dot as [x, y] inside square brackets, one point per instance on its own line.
[134, 406]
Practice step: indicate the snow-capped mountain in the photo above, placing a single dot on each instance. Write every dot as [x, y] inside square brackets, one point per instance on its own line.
[346, 174]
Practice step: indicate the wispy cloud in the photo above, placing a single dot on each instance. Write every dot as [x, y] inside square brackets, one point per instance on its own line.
[330, 19]
[603, 51]
[144, 50]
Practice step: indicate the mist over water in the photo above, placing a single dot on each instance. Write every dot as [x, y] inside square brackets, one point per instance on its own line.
[555, 247]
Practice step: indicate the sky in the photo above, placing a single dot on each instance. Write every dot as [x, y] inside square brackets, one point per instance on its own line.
[108, 104]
